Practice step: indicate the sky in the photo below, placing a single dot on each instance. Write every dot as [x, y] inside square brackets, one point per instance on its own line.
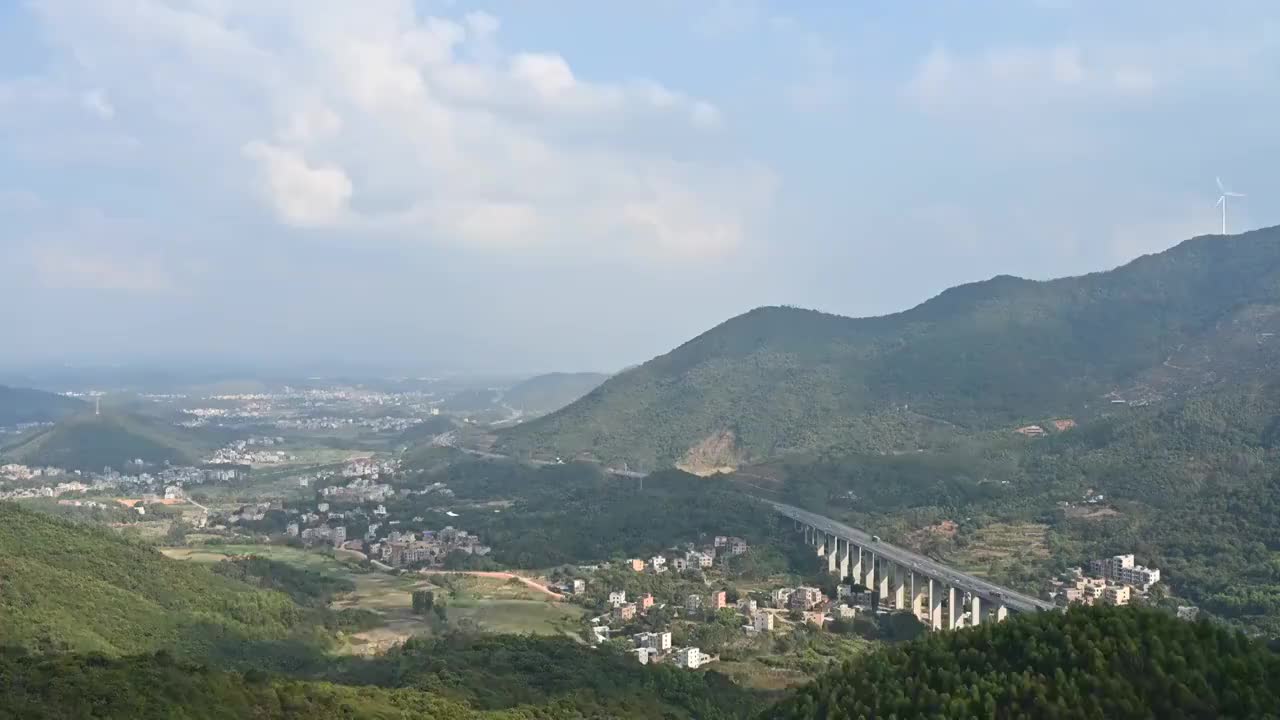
[522, 186]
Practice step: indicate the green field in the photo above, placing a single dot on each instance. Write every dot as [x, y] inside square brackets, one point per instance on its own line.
[494, 605]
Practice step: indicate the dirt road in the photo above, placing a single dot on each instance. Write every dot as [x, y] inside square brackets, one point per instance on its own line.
[500, 575]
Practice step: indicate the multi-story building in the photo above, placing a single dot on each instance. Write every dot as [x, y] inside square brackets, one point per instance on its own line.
[746, 605]
[762, 621]
[658, 564]
[804, 597]
[339, 535]
[645, 655]
[625, 612]
[646, 601]
[697, 559]
[679, 564]
[693, 603]
[617, 597]
[1116, 595]
[717, 599]
[1123, 569]
[815, 617]
[691, 657]
[660, 641]
[578, 586]
[636, 564]
[781, 596]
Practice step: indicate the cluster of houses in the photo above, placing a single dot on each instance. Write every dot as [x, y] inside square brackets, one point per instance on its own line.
[362, 489]
[247, 452]
[58, 481]
[722, 548]
[431, 548]
[1116, 580]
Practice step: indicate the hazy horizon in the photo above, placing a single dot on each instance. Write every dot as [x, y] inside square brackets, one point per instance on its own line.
[486, 188]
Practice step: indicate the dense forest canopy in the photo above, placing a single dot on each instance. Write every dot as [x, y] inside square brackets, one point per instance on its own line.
[1101, 662]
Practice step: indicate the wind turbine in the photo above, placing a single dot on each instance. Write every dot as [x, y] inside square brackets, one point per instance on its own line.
[1222, 202]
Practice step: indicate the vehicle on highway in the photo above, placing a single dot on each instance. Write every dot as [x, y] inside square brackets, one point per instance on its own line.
[875, 538]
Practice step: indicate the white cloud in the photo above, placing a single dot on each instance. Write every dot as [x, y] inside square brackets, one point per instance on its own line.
[372, 118]
[1029, 78]
[302, 194]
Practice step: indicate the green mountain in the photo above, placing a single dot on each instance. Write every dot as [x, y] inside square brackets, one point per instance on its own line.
[547, 393]
[1099, 662]
[69, 587]
[980, 357]
[113, 439]
[22, 405]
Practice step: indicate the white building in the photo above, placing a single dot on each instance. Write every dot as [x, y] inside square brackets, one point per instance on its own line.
[617, 597]
[700, 559]
[691, 657]
[1123, 569]
[781, 596]
[658, 641]
[762, 621]
[645, 654]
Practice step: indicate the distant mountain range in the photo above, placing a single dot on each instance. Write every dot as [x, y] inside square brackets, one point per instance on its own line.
[986, 356]
[547, 393]
[22, 405]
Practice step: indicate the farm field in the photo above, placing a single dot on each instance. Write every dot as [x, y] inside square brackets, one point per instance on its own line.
[494, 604]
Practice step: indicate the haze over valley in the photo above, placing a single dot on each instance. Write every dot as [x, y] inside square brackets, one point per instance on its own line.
[745, 359]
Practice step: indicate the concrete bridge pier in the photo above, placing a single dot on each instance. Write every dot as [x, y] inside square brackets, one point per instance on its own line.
[975, 610]
[833, 548]
[935, 605]
[869, 570]
[842, 564]
[855, 564]
[900, 586]
[1001, 612]
[953, 609]
[882, 592]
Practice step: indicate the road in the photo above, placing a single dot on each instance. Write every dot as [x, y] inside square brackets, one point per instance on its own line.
[533, 584]
[1015, 601]
[449, 440]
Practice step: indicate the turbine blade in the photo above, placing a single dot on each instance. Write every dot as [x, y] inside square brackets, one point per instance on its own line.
[1235, 194]
[1221, 199]
[1220, 187]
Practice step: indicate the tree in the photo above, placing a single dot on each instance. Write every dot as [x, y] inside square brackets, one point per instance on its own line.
[423, 601]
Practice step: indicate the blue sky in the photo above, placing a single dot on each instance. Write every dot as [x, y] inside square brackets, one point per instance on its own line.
[581, 185]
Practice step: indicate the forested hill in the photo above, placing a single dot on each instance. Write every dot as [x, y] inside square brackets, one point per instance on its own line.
[113, 439]
[67, 587]
[1101, 662]
[988, 355]
[22, 405]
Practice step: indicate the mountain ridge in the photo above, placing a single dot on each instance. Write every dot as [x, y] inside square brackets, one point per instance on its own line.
[974, 358]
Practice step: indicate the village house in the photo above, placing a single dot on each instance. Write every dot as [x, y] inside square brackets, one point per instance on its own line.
[691, 658]
[625, 612]
[762, 621]
[717, 599]
[659, 641]
[804, 598]
[617, 597]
